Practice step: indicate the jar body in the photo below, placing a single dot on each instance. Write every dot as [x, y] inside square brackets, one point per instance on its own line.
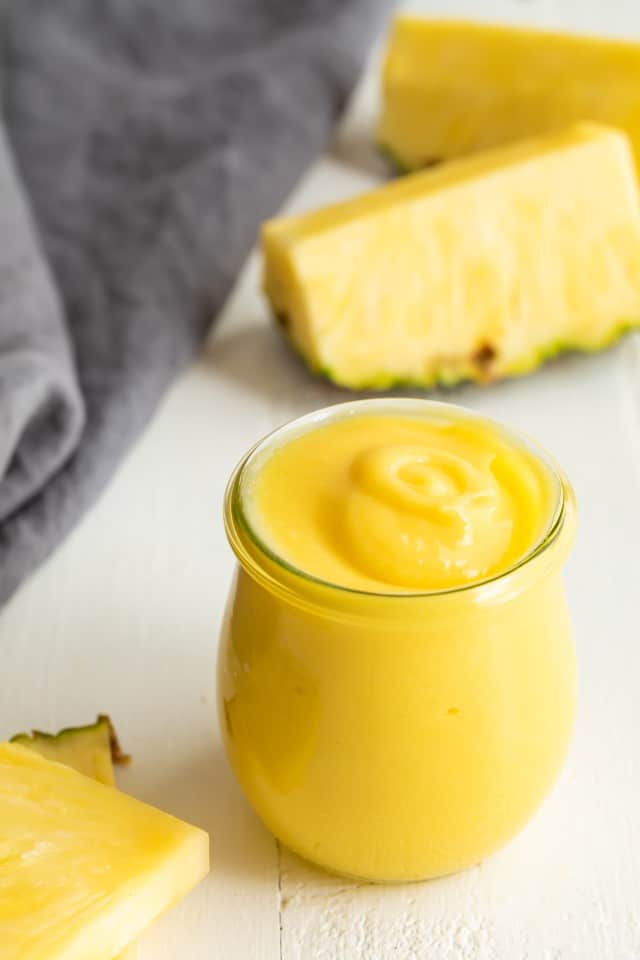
[397, 742]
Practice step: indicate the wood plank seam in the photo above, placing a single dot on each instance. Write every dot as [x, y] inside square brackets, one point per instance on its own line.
[279, 856]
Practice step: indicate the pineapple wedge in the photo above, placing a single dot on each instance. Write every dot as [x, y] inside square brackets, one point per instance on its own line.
[84, 869]
[92, 750]
[476, 270]
[454, 87]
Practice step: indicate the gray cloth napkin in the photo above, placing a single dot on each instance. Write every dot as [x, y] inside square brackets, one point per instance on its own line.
[143, 143]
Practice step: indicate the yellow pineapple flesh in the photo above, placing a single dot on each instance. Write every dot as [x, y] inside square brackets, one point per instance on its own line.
[92, 750]
[478, 269]
[453, 87]
[84, 869]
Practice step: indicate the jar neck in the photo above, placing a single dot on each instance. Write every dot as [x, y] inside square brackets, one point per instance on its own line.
[300, 589]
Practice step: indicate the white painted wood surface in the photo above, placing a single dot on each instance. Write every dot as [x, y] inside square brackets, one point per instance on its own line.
[125, 617]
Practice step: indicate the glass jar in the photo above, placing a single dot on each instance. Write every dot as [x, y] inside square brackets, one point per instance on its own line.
[395, 737]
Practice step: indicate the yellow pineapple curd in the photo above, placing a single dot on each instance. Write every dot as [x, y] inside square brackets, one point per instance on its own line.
[396, 673]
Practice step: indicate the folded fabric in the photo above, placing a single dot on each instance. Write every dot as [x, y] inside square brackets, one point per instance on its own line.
[146, 142]
[41, 408]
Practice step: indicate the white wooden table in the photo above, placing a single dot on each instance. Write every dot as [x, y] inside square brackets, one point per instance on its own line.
[125, 618]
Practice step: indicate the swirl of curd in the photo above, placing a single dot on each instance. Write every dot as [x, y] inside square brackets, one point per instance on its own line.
[401, 503]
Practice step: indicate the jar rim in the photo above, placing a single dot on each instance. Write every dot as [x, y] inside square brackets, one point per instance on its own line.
[237, 523]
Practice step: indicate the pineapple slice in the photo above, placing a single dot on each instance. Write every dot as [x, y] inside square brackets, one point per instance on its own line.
[453, 87]
[84, 869]
[478, 269]
[92, 750]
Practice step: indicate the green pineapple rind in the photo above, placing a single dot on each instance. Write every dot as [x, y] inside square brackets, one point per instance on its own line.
[102, 724]
[450, 379]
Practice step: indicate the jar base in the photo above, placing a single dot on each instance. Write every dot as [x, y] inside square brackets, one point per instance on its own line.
[378, 881]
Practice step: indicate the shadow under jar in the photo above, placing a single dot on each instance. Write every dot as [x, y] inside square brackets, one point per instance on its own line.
[395, 736]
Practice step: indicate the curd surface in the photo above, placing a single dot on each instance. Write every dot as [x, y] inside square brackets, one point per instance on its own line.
[385, 504]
